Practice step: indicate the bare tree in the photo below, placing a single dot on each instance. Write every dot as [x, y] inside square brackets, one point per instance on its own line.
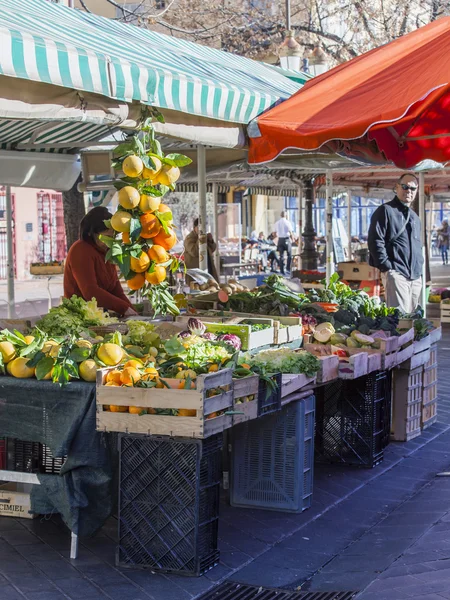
[255, 28]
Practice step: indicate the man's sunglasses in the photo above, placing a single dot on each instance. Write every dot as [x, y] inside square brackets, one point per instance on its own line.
[407, 187]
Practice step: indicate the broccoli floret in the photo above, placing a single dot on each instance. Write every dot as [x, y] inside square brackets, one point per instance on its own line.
[346, 317]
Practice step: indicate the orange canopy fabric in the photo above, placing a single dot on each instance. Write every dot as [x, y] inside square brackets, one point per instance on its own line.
[397, 96]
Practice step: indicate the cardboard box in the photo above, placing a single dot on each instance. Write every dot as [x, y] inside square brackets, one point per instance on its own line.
[355, 271]
[15, 500]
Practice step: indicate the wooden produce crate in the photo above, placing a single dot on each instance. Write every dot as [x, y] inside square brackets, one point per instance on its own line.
[243, 389]
[15, 500]
[198, 426]
[430, 393]
[329, 369]
[47, 269]
[406, 404]
[406, 337]
[420, 356]
[405, 354]
[293, 383]
[373, 362]
[250, 339]
[356, 365]
[445, 312]
[435, 334]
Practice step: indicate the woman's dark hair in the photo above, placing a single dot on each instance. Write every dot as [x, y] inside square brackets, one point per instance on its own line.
[94, 222]
[195, 222]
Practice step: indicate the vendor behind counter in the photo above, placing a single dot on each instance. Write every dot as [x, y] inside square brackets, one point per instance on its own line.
[86, 274]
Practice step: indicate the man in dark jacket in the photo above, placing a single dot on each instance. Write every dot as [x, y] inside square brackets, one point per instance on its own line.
[395, 246]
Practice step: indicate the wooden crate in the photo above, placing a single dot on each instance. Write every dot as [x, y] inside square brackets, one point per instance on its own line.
[47, 270]
[435, 335]
[405, 354]
[406, 337]
[250, 339]
[329, 369]
[420, 356]
[406, 404]
[293, 383]
[373, 362]
[445, 312]
[198, 426]
[242, 389]
[429, 405]
[356, 365]
[15, 500]
[430, 374]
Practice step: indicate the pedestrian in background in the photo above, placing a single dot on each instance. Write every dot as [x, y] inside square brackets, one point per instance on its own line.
[283, 230]
[395, 246]
[443, 241]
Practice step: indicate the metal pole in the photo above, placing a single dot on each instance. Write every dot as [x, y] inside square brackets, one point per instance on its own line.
[329, 226]
[10, 255]
[203, 246]
[300, 225]
[430, 223]
[422, 236]
[349, 223]
[215, 195]
[288, 14]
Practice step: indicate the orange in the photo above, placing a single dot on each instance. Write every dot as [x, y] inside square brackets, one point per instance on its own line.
[133, 363]
[163, 208]
[150, 225]
[130, 375]
[141, 264]
[149, 203]
[213, 368]
[186, 412]
[126, 238]
[136, 282]
[112, 384]
[166, 240]
[168, 175]
[114, 408]
[158, 254]
[149, 374]
[132, 166]
[113, 376]
[158, 275]
[136, 410]
[150, 173]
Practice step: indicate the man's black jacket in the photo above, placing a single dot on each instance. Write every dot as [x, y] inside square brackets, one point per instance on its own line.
[404, 254]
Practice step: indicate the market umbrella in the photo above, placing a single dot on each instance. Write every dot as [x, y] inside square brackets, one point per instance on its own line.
[388, 105]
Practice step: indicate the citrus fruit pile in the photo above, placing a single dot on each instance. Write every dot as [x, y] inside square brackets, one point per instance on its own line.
[143, 224]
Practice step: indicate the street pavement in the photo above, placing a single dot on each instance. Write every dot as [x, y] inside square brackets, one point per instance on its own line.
[383, 533]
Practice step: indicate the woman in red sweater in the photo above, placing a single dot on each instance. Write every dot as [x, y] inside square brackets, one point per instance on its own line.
[86, 274]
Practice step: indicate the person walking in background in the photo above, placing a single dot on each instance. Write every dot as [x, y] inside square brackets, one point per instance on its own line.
[191, 251]
[443, 241]
[283, 230]
[395, 246]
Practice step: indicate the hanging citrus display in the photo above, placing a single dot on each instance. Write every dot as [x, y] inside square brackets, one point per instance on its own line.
[142, 251]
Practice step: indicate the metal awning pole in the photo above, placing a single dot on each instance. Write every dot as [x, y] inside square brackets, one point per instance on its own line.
[215, 198]
[203, 246]
[329, 225]
[300, 224]
[10, 255]
[349, 223]
[422, 236]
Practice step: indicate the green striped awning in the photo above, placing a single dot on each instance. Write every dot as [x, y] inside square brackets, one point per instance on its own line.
[47, 42]
[49, 136]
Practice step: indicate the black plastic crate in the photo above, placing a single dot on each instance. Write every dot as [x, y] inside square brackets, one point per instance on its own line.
[273, 460]
[269, 403]
[30, 457]
[169, 503]
[353, 420]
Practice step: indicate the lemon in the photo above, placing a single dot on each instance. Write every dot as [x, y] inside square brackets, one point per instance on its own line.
[83, 344]
[110, 354]
[29, 339]
[168, 175]
[8, 351]
[149, 173]
[51, 348]
[132, 166]
[120, 221]
[129, 197]
[88, 370]
[19, 368]
[149, 203]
